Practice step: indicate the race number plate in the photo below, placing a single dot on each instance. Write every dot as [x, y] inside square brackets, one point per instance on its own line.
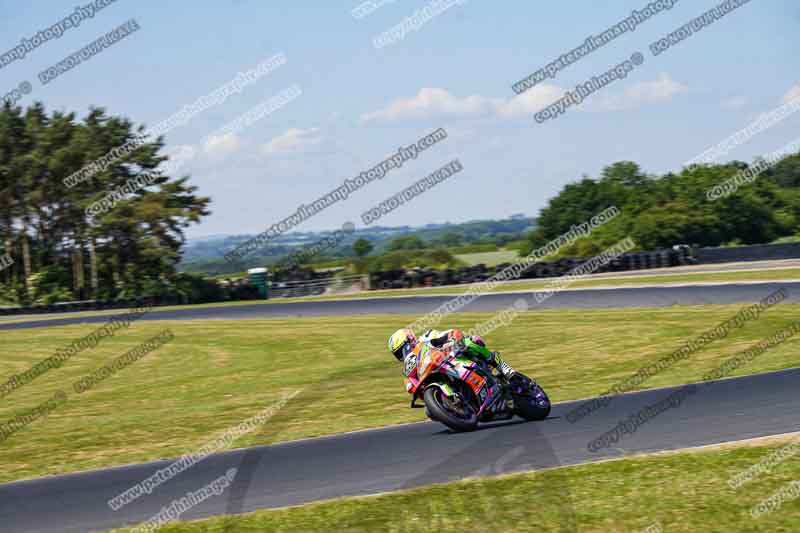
[476, 382]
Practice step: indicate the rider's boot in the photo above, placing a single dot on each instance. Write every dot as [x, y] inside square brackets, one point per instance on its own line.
[504, 368]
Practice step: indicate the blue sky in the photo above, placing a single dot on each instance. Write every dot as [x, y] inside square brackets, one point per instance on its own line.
[359, 103]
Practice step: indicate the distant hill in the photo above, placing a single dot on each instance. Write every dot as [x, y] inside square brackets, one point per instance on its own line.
[206, 254]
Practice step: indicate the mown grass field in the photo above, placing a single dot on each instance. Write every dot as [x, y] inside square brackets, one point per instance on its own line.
[681, 492]
[217, 373]
[489, 258]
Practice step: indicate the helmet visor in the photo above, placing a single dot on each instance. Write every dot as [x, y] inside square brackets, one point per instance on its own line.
[403, 351]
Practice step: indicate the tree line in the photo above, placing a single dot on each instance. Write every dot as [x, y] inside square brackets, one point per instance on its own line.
[659, 211]
[59, 251]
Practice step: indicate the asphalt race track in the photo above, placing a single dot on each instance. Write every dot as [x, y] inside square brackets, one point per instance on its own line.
[404, 456]
[650, 296]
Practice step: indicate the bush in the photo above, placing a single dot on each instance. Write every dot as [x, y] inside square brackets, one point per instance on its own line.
[428, 258]
[49, 286]
[198, 289]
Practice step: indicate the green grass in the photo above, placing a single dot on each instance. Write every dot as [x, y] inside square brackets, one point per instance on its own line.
[488, 258]
[217, 373]
[682, 492]
[785, 240]
[657, 279]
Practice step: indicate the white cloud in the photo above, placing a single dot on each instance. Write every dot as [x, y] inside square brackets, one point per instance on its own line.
[222, 146]
[656, 91]
[636, 95]
[530, 102]
[428, 102]
[793, 94]
[434, 102]
[431, 102]
[292, 140]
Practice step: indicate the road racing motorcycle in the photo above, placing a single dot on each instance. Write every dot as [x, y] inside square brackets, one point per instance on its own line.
[460, 392]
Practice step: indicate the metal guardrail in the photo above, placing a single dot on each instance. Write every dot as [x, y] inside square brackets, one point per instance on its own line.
[86, 305]
[756, 252]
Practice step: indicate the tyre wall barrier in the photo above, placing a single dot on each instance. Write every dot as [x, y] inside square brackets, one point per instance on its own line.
[400, 278]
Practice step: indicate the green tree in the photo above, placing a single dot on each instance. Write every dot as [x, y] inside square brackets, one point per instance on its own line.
[661, 211]
[362, 247]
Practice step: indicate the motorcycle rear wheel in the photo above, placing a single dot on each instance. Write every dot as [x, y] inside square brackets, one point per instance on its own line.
[438, 406]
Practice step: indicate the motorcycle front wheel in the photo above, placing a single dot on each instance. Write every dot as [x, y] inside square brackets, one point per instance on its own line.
[531, 402]
[457, 415]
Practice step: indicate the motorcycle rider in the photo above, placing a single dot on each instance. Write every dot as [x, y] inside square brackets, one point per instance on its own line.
[403, 341]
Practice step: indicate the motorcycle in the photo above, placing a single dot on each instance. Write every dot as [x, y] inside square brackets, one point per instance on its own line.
[460, 392]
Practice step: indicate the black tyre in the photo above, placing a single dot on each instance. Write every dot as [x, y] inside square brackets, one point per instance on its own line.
[442, 409]
[533, 404]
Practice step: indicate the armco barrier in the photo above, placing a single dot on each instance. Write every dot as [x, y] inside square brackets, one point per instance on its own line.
[756, 252]
[86, 305]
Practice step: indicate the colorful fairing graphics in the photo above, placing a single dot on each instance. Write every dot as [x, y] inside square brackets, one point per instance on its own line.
[460, 392]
